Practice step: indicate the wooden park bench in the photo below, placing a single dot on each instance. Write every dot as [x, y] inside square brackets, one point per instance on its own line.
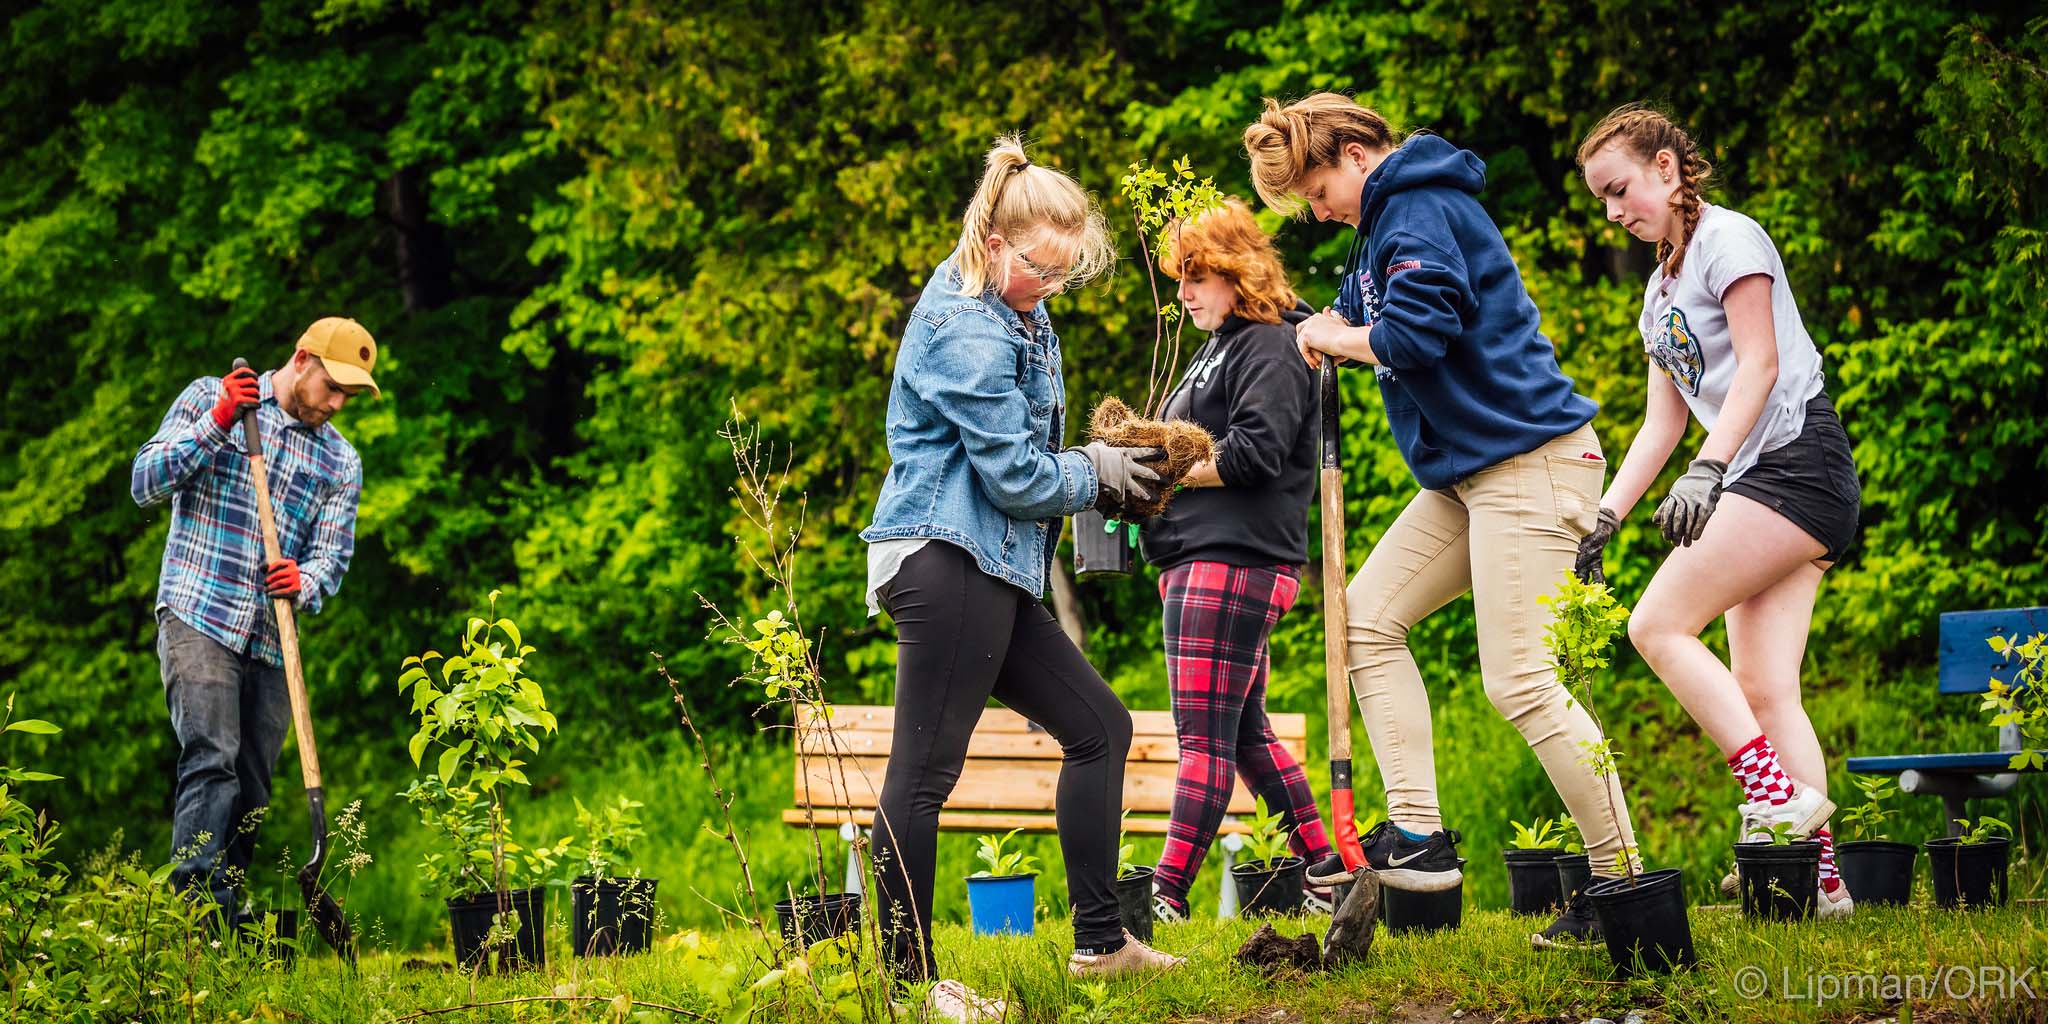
[1009, 781]
[1968, 665]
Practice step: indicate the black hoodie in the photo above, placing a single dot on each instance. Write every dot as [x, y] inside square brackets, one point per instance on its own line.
[1249, 388]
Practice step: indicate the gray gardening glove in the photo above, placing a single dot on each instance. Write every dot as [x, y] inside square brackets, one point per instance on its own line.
[1592, 546]
[1683, 515]
[1120, 477]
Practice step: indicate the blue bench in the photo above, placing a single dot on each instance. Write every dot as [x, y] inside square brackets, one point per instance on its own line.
[1968, 665]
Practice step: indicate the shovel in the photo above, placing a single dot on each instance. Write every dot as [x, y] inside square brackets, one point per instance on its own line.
[325, 912]
[1351, 927]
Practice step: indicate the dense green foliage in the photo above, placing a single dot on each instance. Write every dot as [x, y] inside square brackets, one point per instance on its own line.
[584, 233]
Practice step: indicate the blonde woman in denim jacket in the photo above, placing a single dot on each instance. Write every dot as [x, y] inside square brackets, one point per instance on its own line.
[960, 550]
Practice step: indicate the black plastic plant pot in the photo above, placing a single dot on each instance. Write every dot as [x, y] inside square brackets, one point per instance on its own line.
[1134, 902]
[808, 919]
[470, 918]
[1267, 888]
[1779, 880]
[1533, 886]
[612, 916]
[1422, 911]
[1100, 549]
[1574, 870]
[1643, 920]
[1877, 872]
[1967, 874]
[279, 942]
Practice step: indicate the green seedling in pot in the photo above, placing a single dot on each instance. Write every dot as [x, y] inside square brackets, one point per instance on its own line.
[1542, 834]
[1868, 817]
[1984, 829]
[1001, 862]
[1266, 842]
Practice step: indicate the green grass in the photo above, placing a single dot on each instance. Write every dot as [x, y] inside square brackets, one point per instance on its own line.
[1485, 967]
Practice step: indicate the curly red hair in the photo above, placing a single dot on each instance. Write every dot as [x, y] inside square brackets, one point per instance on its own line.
[1227, 241]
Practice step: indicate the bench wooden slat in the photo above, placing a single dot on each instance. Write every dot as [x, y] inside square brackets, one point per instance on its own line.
[987, 821]
[882, 718]
[1982, 761]
[1967, 661]
[1010, 745]
[992, 784]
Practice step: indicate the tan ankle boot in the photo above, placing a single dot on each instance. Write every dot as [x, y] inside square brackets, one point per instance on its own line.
[1133, 958]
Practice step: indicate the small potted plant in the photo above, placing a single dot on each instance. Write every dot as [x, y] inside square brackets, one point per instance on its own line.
[1876, 870]
[1270, 881]
[611, 914]
[1531, 857]
[1969, 869]
[1000, 896]
[1133, 890]
[481, 710]
[1641, 913]
[1780, 875]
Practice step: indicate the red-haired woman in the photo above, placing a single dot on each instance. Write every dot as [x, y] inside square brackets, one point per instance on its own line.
[1232, 543]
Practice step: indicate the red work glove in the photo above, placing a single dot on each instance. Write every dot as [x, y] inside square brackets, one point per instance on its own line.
[283, 579]
[238, 390]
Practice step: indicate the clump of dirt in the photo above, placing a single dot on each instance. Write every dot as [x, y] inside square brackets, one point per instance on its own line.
[1184, 443]
[1273, 953]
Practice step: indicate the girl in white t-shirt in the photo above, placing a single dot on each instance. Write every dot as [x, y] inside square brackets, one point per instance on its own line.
[1768, 503]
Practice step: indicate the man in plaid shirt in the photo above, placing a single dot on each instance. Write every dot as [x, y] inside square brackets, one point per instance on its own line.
[216, 635]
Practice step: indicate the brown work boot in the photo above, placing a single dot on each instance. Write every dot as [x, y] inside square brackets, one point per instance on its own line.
[1135, 957]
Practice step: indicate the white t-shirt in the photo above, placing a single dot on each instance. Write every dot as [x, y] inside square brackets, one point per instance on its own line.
[1685, 331]
[885, 560]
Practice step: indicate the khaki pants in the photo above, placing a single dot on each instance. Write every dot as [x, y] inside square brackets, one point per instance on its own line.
[1508, 534]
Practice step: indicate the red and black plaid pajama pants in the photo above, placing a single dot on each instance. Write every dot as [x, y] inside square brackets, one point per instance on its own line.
[1217, 618]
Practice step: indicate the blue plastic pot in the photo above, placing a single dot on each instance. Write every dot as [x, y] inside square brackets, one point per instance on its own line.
[1001, 905]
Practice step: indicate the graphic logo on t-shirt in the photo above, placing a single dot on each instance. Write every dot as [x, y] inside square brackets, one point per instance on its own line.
[1678, 352]
[1359, 302]
[1205, 369]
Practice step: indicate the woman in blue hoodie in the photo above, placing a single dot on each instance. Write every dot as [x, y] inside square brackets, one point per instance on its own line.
[1500, 442]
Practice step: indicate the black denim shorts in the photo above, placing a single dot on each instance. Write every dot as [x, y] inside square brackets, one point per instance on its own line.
[1811, 480]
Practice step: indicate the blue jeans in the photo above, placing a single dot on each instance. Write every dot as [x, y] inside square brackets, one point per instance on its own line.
[230, 712]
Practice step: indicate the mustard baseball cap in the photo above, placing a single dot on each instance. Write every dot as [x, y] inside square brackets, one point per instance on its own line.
[345, 348]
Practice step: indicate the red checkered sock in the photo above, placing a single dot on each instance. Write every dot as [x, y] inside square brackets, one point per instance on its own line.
[1830, 878]
[1756, 767]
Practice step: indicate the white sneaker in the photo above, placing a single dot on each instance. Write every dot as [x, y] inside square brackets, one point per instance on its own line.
[1835, 907]
[1755, 828]
[1806, 812]
[954, 1001]
[1164, 912]
[1318, 900]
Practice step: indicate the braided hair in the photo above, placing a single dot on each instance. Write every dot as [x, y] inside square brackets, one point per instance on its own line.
[1643, 132]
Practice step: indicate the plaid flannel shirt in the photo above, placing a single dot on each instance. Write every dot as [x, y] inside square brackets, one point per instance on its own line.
[212, 576]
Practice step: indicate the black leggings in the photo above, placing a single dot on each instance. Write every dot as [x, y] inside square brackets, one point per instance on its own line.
[964, 636]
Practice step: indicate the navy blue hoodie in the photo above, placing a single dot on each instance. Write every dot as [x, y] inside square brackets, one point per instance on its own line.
[1468, 379]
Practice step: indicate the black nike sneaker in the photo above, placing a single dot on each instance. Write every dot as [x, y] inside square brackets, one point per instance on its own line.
[1330, 871]
[1426, 865]
[1573, 929]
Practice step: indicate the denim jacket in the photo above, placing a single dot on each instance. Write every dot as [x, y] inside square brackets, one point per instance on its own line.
[977, 415]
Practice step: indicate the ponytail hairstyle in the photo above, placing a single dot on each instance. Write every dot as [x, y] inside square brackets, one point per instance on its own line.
[1287, 142]
[1027, 204]
[1227, 241]
[1642, 132]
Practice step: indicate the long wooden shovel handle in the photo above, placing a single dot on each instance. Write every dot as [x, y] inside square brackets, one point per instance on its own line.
[1336, 618]
[287, 624]
[1336, 613]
